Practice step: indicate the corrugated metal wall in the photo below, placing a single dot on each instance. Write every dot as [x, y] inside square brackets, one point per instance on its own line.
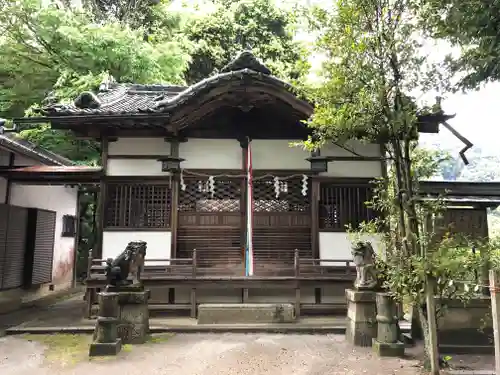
[15, 247]
[44, 247]
[26, 246]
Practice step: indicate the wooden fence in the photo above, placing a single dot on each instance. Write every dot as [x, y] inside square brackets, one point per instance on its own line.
[187, 272]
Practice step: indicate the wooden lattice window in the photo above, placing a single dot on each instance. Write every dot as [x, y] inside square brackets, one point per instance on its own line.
[130, 205]
[341, 205]
[204, 195]
[291, 195]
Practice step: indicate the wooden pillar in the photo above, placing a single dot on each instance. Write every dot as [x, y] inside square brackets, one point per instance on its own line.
[383, 162]
[102, 197]
[494, 277]
[432, 325]
[193, 290]
[174, 214]
[485, 277]
[243, 202]
[77, 235]
[12, 158]
[315, 196]
[297, 286]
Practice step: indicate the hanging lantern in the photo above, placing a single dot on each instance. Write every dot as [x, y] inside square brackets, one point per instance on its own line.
[318, 163]
[170, 163]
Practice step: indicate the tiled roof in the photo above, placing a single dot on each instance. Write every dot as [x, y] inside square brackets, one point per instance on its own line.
[14, 143]
[120, 99]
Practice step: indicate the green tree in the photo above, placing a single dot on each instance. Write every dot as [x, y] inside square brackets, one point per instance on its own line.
[153, 15]
[471, 26]
[235, 25]
[373, 65]
[55, 52]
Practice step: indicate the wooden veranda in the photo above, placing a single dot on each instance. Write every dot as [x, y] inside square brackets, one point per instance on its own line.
[188, 272]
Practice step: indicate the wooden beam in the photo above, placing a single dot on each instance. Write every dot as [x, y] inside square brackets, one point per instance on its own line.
[158, 179]
[353, 158]
[137, 157]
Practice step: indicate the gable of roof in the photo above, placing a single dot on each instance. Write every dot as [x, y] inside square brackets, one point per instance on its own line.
[123, 99]
[16, 144]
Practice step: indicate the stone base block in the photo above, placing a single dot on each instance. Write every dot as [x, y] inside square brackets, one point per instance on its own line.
[360, 333]
[385, 349]
[361, 325]
[99, 349]
[132, 333]
[245, 313]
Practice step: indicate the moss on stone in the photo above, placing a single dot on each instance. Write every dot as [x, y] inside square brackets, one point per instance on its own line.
[63, 349]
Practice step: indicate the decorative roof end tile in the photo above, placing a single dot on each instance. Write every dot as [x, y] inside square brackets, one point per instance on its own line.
[87, 100]
[107, 83]
[246, 60]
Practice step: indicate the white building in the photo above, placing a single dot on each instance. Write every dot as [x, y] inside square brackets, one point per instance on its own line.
[38, 225]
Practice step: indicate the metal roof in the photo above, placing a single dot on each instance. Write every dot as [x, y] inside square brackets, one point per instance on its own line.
[15, 144]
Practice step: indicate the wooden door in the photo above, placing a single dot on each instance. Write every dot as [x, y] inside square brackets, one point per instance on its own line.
[282, 223]
[210, 221]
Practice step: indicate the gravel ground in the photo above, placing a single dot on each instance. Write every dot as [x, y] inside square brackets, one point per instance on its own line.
[215, 354]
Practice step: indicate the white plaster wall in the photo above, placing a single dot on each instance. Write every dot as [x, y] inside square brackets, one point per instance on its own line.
[139, 146]
[364, 149]
[277, 154]
[62, 200]
[337, 245]
[114, 242]
[353, 169]
[4, 157]
[135, 167]
[23, 161]
[227, 154]
[210, 154]
[19, 160]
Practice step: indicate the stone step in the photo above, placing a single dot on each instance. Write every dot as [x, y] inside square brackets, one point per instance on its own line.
[230, 313]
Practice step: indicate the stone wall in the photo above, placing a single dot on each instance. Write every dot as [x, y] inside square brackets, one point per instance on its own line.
[467, 325]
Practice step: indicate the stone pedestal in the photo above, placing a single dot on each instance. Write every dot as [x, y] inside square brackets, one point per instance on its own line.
[387, 343]
[133, 324]
[106, 340]
[361, 313]
[251, 313]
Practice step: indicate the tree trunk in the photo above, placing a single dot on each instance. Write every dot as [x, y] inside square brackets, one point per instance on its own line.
[425, 330]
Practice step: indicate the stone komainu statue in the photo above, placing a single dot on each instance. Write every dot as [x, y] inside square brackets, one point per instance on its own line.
[129, 262]
[364, 260]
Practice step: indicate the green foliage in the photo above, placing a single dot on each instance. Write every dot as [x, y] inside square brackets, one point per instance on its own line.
[71, 53]
[374, 63]
[58, 52]
[471, 26]
[447, 258]
[452, 264]
[63, 143]
[236, 25]
[153, 15]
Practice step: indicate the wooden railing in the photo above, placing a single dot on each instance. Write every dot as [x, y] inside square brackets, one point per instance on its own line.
[198, 273]
[195, 268]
